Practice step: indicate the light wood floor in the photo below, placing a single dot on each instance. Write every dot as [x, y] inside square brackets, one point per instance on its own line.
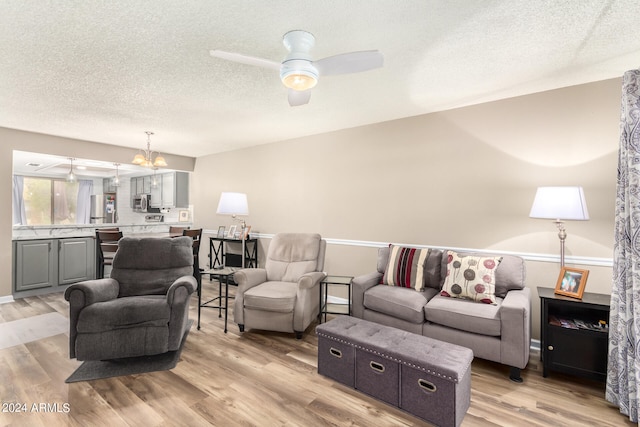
[256, 379]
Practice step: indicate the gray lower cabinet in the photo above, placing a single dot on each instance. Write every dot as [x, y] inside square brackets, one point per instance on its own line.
[35, 264]
[40, 264]
[76, 260]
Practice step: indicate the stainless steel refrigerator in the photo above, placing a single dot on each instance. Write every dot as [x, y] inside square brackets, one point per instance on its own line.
[103, 208]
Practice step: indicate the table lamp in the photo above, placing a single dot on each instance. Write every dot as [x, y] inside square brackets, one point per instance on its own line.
[235, 204]
[560, 203]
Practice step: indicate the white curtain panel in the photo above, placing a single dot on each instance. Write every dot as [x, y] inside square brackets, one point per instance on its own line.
[623, 374]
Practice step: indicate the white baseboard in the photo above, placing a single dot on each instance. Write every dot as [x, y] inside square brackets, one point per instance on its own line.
[6, 299]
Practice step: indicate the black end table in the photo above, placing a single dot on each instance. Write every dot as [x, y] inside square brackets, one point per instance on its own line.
[222, 275]
[574, 334]
[324, 290]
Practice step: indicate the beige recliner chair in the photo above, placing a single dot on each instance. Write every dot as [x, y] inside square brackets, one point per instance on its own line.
[283, 296]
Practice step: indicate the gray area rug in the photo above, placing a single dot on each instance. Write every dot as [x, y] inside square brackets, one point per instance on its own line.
[99, 369]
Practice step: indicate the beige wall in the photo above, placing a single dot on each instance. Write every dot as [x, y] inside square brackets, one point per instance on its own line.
[26, 141]
[460, 178]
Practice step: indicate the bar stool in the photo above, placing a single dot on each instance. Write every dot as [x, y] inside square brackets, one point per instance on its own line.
[196, 235]
[106, 247]
[177, 230]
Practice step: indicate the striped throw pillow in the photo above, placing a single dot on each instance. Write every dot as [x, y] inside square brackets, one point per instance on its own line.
[405, 267]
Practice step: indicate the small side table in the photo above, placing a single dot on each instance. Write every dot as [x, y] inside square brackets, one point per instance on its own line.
[324, 291]
[570, 340]
[223, 276]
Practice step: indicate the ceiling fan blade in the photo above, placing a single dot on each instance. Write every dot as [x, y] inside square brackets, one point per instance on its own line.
[297, 97]
[352, 62]
[245, 59]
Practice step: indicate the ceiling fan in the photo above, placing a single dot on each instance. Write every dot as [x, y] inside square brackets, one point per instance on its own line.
[299, 72]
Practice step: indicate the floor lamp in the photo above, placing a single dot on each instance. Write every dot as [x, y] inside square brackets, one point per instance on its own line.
[560, 203]
[235, 204]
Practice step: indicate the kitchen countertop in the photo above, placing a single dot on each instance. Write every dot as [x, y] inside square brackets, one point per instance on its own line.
[68, 231]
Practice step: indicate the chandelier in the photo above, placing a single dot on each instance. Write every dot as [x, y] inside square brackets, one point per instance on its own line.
[146, 157]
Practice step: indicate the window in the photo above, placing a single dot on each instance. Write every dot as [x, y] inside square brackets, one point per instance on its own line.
[50, 201]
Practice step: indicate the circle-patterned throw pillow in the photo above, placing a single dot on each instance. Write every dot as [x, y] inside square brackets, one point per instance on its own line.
[471, 277]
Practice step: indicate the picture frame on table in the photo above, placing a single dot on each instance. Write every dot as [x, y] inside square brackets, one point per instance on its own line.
[221, 232]
[571, 282]
[232, 232]
[247, 230]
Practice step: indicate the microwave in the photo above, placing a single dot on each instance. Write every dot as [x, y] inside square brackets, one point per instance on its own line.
[141, 202]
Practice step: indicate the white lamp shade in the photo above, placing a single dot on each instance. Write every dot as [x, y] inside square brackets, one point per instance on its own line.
[562, 203]
[233, 204]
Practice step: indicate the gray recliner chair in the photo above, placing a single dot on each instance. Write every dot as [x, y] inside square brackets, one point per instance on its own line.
[284, 295]
[142, 309]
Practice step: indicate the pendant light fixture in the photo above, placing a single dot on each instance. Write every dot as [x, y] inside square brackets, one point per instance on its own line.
[71, 177]
[116, 179]
[146, 157]
[154, 179]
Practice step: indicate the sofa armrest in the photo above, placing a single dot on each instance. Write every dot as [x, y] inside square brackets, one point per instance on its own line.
[515, 318]
[307, 305]
[85, 293]
[246, 279]
[180, 290]
[359, 286]
[178, 296]
[92, 291]
[310, 280]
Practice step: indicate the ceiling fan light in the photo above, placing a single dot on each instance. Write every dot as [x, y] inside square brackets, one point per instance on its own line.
[298, 74]
[299, 79]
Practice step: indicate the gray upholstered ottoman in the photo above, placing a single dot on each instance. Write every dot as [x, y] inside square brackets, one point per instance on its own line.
[425, 377]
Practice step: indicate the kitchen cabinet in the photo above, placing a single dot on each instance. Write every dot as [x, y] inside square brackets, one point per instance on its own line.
[76, 260]
[36, 264]
[156, 193]
[108, 185]
[52, 263]
[172, 190]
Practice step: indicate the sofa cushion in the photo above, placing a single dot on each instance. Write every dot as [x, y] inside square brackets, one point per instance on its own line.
[465, 315]
[121, 313]
[405, 267]
[432, 268]
[510, 274]
[398, 302]
[291, 255]
[470, 277]
[272, 296]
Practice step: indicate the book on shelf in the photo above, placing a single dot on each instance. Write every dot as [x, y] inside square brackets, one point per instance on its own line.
[578, 324]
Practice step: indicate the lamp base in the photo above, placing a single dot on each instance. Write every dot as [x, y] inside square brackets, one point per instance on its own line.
[562, 235]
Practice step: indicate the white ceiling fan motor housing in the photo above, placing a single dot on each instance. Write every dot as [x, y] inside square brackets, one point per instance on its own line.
[297, 71]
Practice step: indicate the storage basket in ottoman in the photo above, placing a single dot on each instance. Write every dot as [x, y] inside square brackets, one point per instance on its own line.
[425, 377]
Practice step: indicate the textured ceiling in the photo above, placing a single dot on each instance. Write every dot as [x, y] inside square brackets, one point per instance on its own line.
[107, 71]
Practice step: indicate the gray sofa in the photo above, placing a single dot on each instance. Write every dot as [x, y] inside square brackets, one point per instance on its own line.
[500, 332]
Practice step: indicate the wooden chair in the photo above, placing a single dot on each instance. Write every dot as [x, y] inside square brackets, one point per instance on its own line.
[106, 247]
[196, 235]
[177, 230]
